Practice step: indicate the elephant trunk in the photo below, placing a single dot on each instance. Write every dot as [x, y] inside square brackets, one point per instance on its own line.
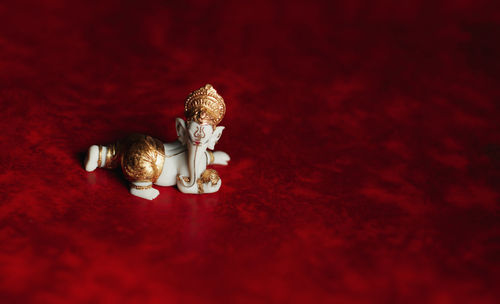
[193, 170]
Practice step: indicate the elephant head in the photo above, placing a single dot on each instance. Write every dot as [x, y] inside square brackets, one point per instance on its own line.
[204, 109]
[197, 138]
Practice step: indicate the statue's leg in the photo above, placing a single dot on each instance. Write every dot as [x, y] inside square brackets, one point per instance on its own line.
[101, 157]
[142, 160]
[144, 190]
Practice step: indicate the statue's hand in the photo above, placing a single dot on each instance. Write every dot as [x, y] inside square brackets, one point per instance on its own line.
[209, 188]
[221, 158]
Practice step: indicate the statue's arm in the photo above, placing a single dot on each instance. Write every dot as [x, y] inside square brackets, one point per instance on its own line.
[217, 158]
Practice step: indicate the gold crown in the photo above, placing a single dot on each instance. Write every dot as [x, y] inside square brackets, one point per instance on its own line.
[205, 106]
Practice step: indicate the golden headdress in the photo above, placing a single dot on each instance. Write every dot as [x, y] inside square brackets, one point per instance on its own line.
[205, 106]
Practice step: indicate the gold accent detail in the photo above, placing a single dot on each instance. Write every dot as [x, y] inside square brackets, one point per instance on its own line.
[208, 176]
[212, 158]
[142, 159]
[99, 159]
[112, 157]
[185, 178]
[205, 105]
[141, 187]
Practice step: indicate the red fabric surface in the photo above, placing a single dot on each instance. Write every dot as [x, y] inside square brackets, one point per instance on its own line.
[364, 139]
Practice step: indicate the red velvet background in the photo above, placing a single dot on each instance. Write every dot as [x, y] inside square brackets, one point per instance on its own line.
[364, 136]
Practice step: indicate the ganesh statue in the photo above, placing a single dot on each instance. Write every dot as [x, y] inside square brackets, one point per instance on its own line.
[146, 161]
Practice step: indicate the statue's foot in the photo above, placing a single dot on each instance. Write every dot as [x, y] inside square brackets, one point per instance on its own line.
[149, 194]
[221, 158]
[91, 159]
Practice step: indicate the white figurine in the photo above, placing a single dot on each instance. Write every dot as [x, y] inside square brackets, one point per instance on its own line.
[146, 161]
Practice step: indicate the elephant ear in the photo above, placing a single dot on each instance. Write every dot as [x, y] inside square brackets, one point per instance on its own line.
[215, 137]
[180, 127]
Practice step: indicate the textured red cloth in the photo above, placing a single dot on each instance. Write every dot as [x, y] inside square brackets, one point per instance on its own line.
[365, 145]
